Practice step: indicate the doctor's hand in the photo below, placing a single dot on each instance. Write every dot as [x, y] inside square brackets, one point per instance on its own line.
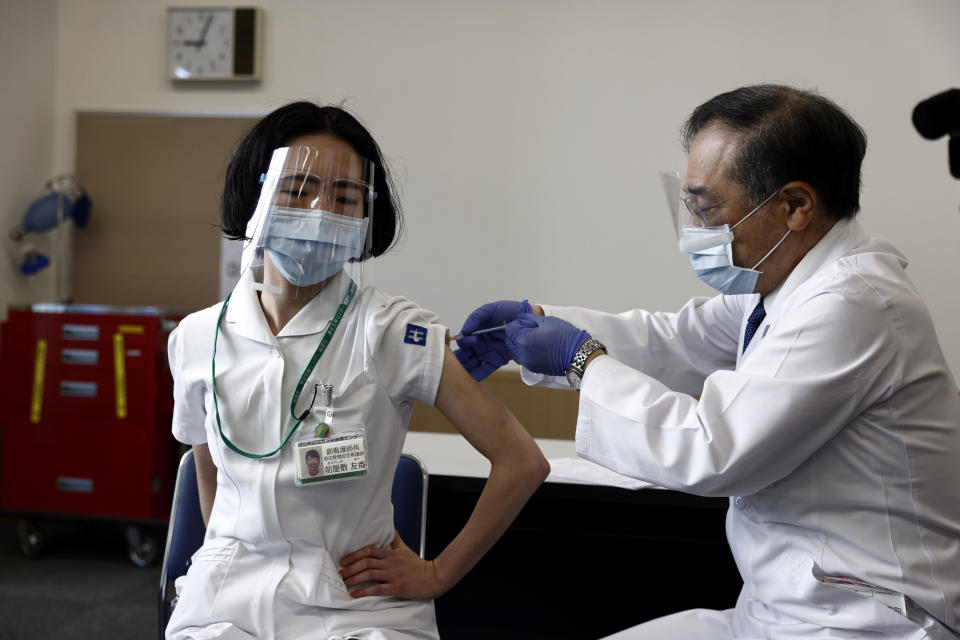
[396, 571]
[544, 344]
[483, 354]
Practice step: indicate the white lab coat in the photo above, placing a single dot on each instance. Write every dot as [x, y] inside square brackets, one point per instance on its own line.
[268, 566]
[837, 436]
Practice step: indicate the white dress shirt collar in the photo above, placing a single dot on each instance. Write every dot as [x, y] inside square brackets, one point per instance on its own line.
[844, 236]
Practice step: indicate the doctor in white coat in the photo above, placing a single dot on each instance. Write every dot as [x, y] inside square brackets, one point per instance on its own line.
[812, 391]
[296, 393]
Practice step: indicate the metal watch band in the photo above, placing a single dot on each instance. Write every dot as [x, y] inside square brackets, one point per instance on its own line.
[575, 370]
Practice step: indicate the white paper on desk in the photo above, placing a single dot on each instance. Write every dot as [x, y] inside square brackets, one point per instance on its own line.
[580, 470]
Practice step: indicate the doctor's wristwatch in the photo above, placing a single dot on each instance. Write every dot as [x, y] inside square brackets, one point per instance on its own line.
[575, 370]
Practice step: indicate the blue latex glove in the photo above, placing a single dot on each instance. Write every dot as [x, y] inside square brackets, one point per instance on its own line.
[483, 354]
[544, 344]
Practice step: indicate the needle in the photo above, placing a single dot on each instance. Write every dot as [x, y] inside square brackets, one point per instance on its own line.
[478, 332]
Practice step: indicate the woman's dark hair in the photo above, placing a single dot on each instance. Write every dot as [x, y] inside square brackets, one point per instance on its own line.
[242, 189]
[788, 134]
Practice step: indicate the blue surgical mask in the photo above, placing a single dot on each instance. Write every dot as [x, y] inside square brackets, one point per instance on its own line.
[711, 255]
[310, 246]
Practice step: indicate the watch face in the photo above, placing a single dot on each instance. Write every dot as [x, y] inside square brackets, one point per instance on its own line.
[201, 43]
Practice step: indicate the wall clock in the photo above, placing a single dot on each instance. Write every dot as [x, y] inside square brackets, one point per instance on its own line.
[214, 43]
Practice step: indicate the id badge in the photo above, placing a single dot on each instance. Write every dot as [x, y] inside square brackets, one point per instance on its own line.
[339, 457]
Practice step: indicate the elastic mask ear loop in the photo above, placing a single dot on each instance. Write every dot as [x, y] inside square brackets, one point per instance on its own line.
[771, 250]
[757, 208]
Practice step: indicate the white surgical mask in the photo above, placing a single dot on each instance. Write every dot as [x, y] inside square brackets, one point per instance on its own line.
[711, 255]
[309, 246]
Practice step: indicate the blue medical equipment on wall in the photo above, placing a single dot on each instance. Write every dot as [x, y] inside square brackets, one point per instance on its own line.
[62, 201]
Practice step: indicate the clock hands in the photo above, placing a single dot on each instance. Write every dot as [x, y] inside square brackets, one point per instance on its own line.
[202, 40]
[206, 27]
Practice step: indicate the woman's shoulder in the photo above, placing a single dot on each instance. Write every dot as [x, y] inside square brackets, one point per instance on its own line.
[202, 319]
[405, 346]
[196, 328]
[382, 309]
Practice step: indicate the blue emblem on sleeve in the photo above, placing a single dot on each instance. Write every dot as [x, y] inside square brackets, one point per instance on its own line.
[416, 335]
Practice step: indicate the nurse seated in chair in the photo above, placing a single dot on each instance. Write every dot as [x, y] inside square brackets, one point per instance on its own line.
[296, 392]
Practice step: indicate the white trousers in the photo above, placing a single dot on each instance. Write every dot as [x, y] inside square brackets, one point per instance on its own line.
[696, 624]
[708, 624]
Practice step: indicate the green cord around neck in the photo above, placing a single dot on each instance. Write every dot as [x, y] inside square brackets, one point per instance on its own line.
[327, 336]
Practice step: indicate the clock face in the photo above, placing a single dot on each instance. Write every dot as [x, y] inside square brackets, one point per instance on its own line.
[201, 44]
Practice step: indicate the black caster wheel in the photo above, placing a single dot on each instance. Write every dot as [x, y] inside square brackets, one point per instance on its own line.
[141, 546]
[31, 538]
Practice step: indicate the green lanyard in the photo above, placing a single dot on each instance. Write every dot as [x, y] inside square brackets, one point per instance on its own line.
[331, 328]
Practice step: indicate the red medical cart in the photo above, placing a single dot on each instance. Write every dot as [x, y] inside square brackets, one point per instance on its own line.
[85, 418]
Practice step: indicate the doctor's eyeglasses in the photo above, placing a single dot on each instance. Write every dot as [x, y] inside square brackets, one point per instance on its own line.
[698, 213]
[338, 195]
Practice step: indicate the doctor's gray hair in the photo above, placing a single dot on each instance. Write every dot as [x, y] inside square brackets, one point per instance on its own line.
[788, 134]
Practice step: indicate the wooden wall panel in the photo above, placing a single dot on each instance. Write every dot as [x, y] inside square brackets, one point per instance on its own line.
[155, 183]
[546, 413]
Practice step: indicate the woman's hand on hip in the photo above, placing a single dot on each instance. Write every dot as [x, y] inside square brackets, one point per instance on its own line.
[396, 571]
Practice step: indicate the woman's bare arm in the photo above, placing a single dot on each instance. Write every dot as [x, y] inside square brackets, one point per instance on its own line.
[517, 469]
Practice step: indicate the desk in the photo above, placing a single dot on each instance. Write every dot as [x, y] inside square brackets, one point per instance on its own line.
[580, 561]
[447, 454]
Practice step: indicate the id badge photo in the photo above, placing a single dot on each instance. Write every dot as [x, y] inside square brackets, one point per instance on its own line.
[339, 457]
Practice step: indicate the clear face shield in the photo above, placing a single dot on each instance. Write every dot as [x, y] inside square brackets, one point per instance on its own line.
[708, 241]
[691, 221]
[312, 225]
[673, 191]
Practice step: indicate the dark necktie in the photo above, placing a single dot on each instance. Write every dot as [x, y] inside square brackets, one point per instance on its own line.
[753, 322]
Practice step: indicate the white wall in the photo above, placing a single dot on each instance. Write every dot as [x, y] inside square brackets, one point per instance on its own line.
[28, 46]
[527, 134]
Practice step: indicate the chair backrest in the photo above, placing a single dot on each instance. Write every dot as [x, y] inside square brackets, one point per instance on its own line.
[409, 500]
[186, 530]
[184, 534]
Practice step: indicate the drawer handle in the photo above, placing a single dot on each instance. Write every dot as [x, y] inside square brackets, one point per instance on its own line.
[79, 356]
[80, 332]
[74, 389]
[74, 485]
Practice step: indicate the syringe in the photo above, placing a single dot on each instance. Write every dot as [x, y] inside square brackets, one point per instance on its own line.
[478, 332]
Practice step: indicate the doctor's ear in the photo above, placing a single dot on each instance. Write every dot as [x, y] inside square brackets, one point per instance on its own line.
[801, 204]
